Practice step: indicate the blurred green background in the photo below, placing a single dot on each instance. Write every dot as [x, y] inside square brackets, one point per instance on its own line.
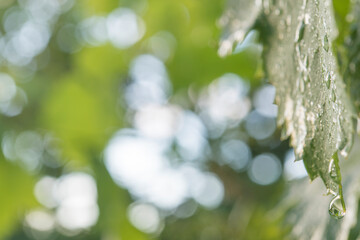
[118, 120]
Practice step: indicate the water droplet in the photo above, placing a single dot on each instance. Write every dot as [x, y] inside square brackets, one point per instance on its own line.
[345, 151]
[307, 18]
[306, 60]
[329, 191]
[328, 80]
[337, 207]
[350, 137]
[333, 95]
[326, 43]
[346, 140]
[332, 169]
[300, 31]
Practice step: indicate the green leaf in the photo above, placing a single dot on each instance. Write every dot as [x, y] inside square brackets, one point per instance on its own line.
[314, 108]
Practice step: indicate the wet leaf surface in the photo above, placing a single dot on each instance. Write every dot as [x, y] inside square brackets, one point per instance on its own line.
[314, 109]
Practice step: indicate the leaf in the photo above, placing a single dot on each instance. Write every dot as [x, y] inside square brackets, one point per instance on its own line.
[314, 108]
[305, 210]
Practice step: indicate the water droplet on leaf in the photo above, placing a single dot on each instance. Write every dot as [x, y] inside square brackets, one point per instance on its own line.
[300, 31]
[332, 169]
[333, 95]
[326, 43]
[328, 80]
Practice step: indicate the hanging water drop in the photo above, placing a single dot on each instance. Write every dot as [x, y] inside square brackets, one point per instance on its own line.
[337, 207]
[346, 149]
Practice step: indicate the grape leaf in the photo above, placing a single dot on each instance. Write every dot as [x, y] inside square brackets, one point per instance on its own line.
[314, 109]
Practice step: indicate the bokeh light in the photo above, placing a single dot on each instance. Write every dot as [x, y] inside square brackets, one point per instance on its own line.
[236, 154]
[41, 223]
[150, 83]
[29, 148]
[159, 122]
[265, 169]
[230, 91]
[293, 169]
[40, 220]
[191, 137]
[264, 99]
[15, 105]
[124, 27]
[45, 191]
[145, 217]
[76, 194]
[208, 190]
[7, 88]
[93, 30]
[187, 209]
[259, 126]
[162, 45]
